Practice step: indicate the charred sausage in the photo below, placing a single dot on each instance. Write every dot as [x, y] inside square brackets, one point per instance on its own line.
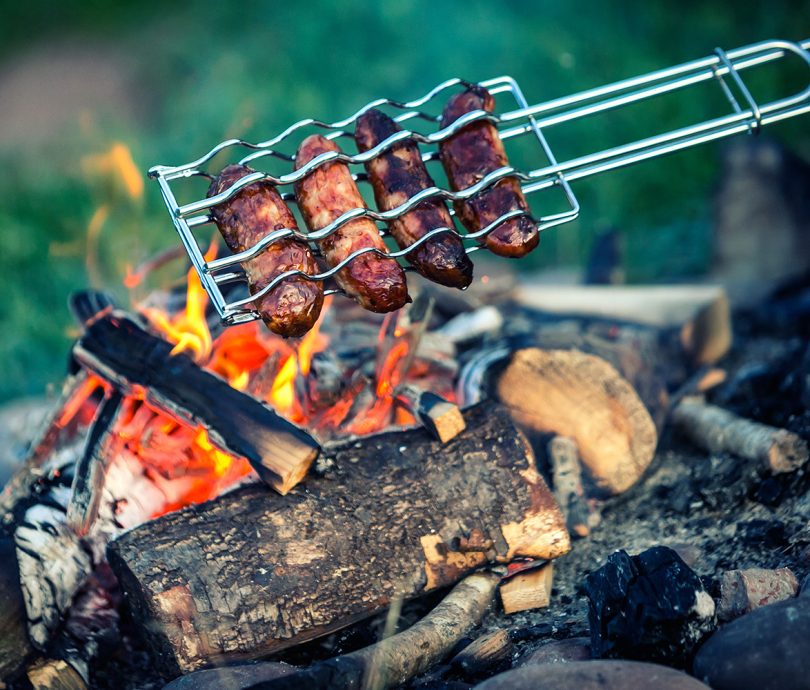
[378, 284]
[467, 157]
[293, 306]
[397, 175]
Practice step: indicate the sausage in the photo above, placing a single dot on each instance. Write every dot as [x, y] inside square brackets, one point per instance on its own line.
[292, 307]
[397, 175]
[467, 157]
[378, 284]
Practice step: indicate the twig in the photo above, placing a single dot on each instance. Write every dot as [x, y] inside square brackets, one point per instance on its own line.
[717, 430]
[405, 655]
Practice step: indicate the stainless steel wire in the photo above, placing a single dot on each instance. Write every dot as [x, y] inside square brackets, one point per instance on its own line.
[524, 119]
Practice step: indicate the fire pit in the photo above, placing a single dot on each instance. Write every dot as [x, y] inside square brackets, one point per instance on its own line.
[206, 493]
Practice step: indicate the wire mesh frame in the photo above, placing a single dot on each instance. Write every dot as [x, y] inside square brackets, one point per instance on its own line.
[531, 119]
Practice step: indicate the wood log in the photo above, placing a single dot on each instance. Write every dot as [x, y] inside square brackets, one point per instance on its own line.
[393, 661]
[118, 350]
[700, 314]
[574, 394]
[392, 515]
[718, 430]
[529, 589]
[440, 417]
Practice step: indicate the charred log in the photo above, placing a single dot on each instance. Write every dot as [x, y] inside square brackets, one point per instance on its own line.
[253, 573]
[117, 349]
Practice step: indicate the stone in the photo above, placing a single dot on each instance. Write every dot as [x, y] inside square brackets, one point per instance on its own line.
[766, 649]
[241, 676]
[561, 652]
[649, 607]
[593, 675]
[742, 591]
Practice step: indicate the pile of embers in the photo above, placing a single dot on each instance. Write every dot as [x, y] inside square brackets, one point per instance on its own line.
[595, 472]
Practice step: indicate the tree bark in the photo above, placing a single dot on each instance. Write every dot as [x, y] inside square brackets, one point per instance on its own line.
[392, 515]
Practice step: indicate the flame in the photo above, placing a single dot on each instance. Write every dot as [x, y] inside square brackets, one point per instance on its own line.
[118, 163]
[188, 330]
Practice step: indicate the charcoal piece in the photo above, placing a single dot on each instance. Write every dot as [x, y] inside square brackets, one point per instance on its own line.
[647, 607]
[769, 534]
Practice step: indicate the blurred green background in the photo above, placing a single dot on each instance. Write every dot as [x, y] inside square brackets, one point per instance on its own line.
[93, 93]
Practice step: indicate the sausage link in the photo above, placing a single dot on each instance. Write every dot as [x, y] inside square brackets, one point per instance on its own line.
[292, 307]
[378, 284]
[467, 157]
[397, 175]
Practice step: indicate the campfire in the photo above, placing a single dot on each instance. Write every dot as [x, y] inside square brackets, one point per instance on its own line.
[234, 492]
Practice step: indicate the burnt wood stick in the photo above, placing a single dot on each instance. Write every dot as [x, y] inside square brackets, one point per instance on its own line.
[116, 348]
[91, 468]
[717, 430]
[56, 425]
[440, 417]
[395, 660]
[390, 516]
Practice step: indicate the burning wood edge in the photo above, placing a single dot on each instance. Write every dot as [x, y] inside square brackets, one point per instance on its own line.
[93, 465]
[574, 394]
[405, 655]
[75, 391]
[440, 417]
[530, 589]
[718, 430]
[118, 350]
[394, 515]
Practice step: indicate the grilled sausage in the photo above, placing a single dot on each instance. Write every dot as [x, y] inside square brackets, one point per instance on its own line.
[293, 306]
[468, 156]
[378, 284]
[396, 176]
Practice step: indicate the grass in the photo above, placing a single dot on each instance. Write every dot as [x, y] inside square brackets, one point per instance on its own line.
[201, 72]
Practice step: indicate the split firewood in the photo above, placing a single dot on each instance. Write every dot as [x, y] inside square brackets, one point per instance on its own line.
[718, 430]
[486, 654]
[396, 659]
[440, 417]
[699, 314]
[118, 350]
[566, 478]
[574, 394]
[397, 515]
[528, 589]
[54, 674]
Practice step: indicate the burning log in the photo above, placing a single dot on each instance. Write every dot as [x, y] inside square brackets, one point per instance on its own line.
[574, 394]
[440, 417]
[118, 350]
[392, 516]
[717, 430]
[91, 469]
